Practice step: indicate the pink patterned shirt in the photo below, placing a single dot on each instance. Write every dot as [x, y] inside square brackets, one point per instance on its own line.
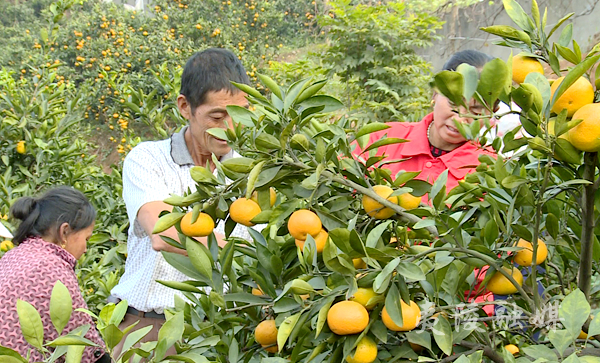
[29, 272]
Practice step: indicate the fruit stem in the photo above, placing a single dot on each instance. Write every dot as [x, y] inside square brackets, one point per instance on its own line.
[587, 223]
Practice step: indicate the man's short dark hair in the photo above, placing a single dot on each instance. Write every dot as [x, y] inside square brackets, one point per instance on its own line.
[211, 70]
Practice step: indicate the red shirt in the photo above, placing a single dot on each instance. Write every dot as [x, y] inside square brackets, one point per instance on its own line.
[29, 272]
[459, 162]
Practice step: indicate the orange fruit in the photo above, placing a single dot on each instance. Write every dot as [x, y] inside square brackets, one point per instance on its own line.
[272, 349]
[257, 291]
[500, 285]
[203, 226]
[586, 135]
[266, 332]
[320, 240]
[366, 351]
[359, 263]
[347, 317]
[523, 65]
[363, 295]
[524, 257]
[375, 209]
[579, 94]
[411, 316]
[303, 222]
[242, 211]
[272, 196]
[582, 335]
[21, 147]
[512, 349]
[408, 201]
[416, 347]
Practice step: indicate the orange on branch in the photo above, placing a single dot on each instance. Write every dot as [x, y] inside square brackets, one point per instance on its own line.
[411, 316]
[366, 351]
[320, 241]
[347, 317]
[524, 257]
[375, 209]
[303, 222]
[266, 332]
[586, 135]
[576, 96]
[409, 201]
[242, 211]
[202, 227]
[500, 285]
[523, 65]
[363, 295]
[272, 196]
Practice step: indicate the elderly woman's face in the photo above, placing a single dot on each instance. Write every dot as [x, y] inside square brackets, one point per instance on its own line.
[444, 116]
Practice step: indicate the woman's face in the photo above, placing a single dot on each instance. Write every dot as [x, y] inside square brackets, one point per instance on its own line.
[77, 241]
[444, 133]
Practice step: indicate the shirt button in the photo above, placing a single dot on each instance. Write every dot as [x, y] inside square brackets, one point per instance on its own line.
[428, 164]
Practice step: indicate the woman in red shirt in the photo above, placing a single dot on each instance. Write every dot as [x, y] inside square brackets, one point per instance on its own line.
[434, 143]
[51, 238]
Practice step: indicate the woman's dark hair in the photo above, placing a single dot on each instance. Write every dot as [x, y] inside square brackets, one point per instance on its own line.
[211, 70]
[44, 215]
[469, 56]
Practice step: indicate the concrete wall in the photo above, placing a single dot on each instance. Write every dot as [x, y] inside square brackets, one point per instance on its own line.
[462, 27]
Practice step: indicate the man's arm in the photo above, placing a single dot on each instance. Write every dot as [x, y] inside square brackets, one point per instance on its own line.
[148, 216]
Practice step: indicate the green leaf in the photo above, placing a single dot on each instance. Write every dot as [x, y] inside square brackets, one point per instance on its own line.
[285, 329]
[74, 354]
[375, 234]
[451, 85]
[393, 306]
[218, 133]
[323, 315]
[167, 221]
[513, 181]
[560, 339]
[424, 223]
[31, 324]
[471, 77]
[573, 311]
[250, 91]
[382, 280]
[419, 337]
[540, 351]
[410, 271]
[271, 85]
[442, 334]
[241, 115]
[267, 141]
[70, 339]
[134, 337]
[200, 257]
[183, 264]
[494, 76]
[238, 165]
[180, 286]
[383, 142]
[518, 15]
[552, 225]
[370, 128]
[331, 103]
[594, 328]
[252, 177]
[565, 37]
[311, 91]
[61, 306]
[505, 31]
[169, 333]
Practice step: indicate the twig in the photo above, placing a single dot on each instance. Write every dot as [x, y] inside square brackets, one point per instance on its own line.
[248, 306]
[487, 351]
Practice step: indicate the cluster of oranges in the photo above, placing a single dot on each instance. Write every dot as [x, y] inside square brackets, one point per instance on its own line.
[577, 100]
[376, 210]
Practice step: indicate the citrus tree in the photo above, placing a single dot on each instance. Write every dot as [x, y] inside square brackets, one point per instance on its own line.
[344, 268]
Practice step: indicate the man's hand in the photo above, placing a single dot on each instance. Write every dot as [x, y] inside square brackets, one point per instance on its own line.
[148, 215]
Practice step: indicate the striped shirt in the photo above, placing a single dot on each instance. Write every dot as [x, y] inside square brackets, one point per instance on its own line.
[152, 171]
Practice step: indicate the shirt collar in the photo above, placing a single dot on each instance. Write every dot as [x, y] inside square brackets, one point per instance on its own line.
[418, 147]
[179, 151]
[54, 249]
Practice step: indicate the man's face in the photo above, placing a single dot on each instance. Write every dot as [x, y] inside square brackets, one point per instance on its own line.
[211, 114]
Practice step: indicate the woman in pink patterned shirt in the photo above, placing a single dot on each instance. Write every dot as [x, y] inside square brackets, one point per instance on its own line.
[51, 237]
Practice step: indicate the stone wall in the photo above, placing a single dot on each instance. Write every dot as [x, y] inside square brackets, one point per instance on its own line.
[462, 27]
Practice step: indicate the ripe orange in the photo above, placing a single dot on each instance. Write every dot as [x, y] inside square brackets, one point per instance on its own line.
[203, 226]
[303, 222]
[359, 263]
[272, 349]
[266, 332]
[523, 65]
[320, 241]
[366, 351]
[579, 94]
[257, 291]
[500, 285]
[21, 147]
[272, 196]
[586, 135]
[347, 317]
[363, 295]
[242, 211]
[512, 349]
[524, 257]
[409, 201]
[411, 316]
[375, 209]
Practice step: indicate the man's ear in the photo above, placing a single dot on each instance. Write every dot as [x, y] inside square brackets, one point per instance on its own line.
[185, 109]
